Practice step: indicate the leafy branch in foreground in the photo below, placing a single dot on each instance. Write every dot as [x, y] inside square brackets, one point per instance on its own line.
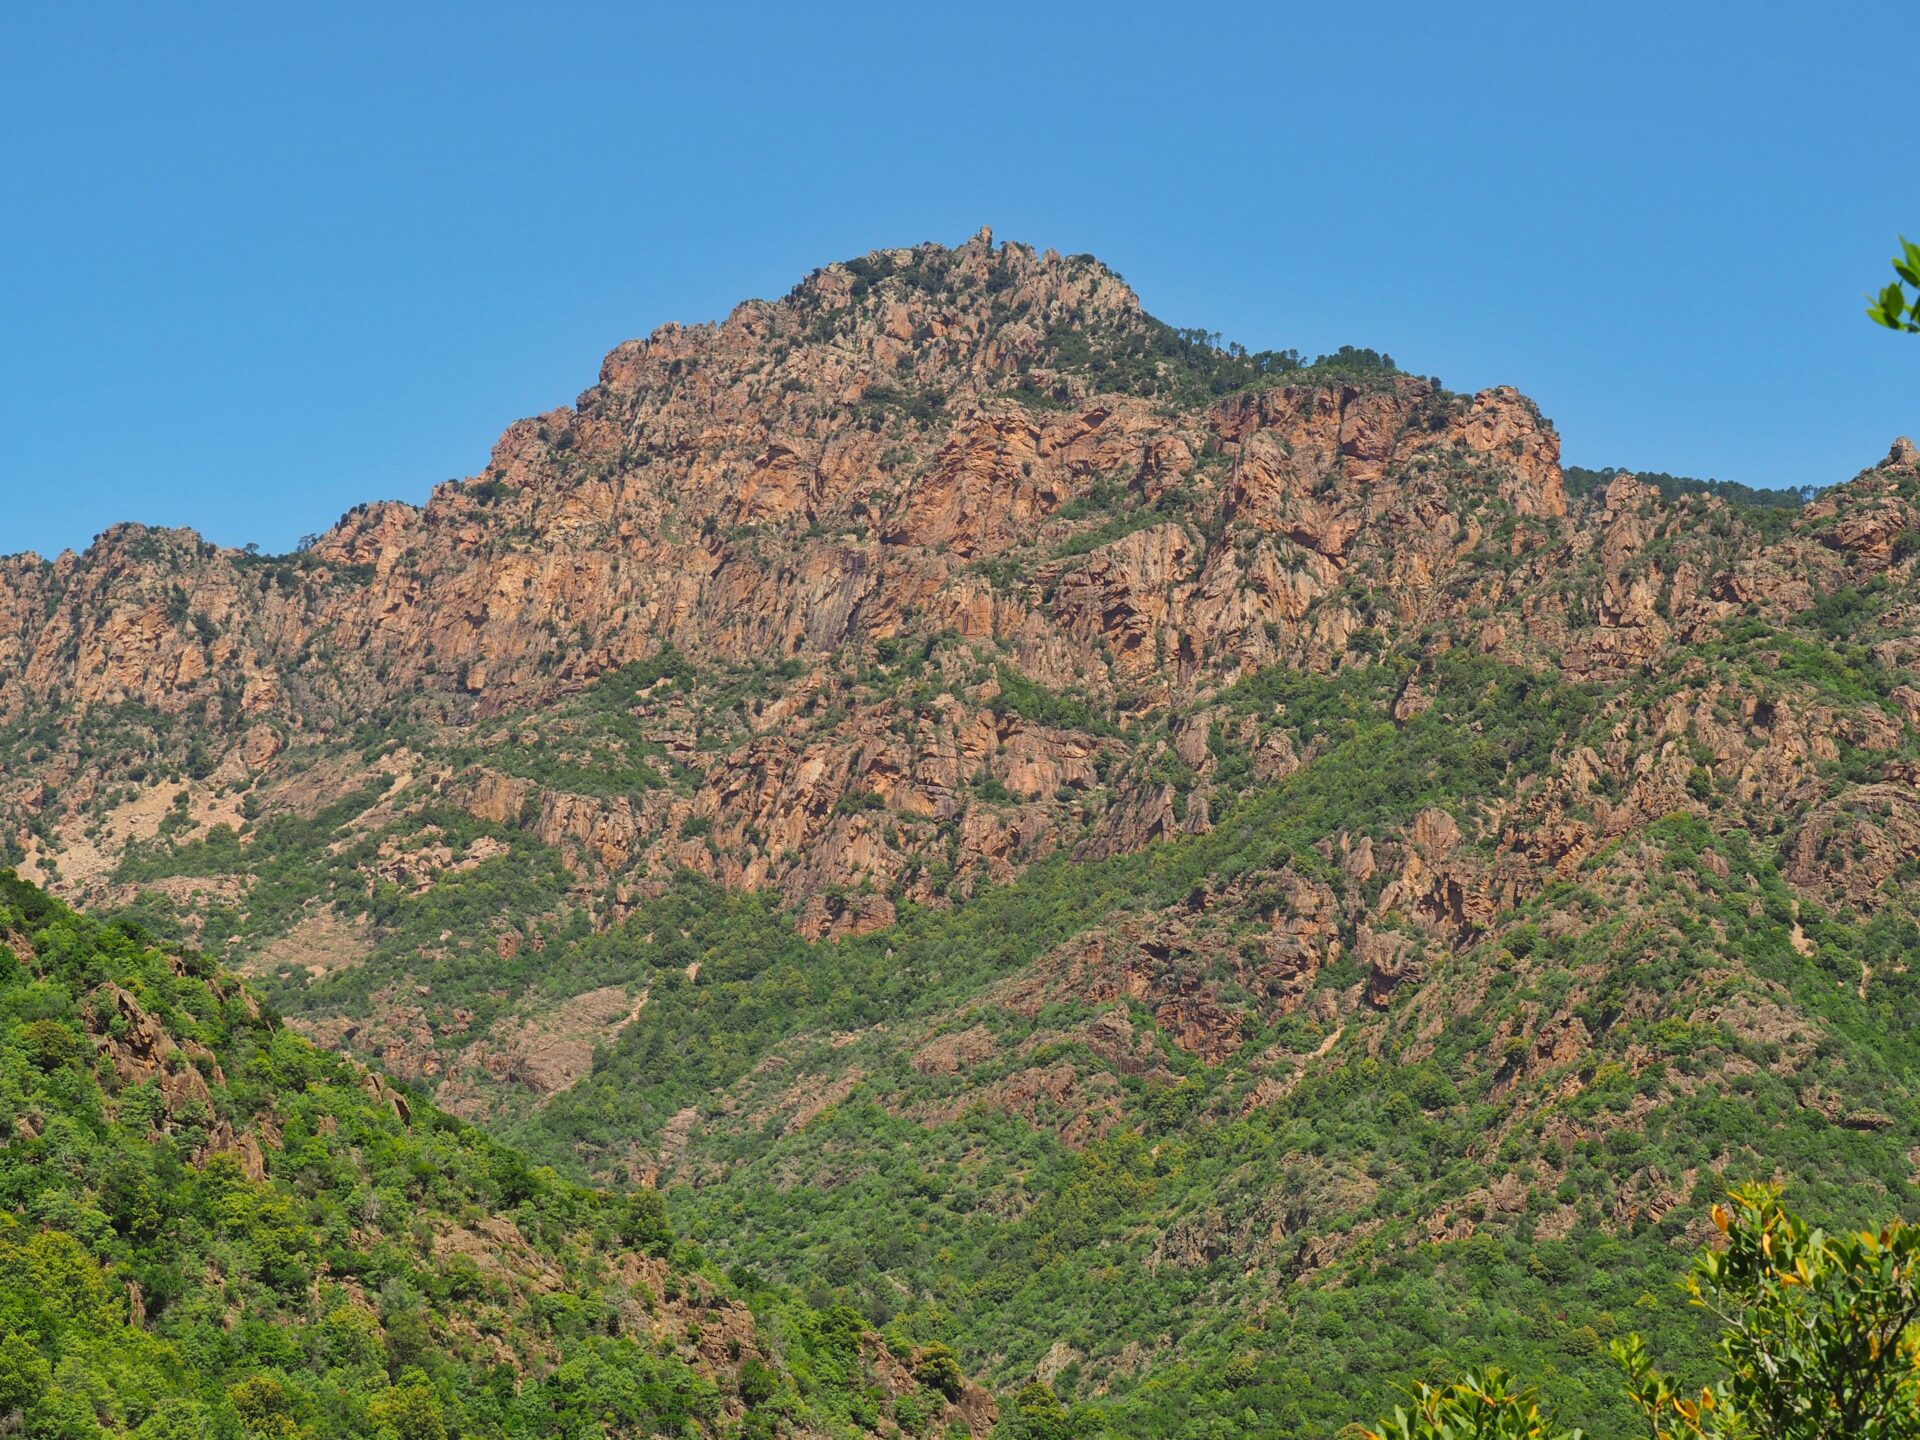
[1891, 307]
[1482, 1406]
[1820, 1339]
[1820, 1333]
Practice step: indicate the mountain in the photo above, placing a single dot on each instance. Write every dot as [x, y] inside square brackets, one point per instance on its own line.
[1202, 881]
[212, 1228]
[909, 458]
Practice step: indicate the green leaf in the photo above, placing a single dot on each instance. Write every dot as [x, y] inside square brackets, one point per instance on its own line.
[1888, 308]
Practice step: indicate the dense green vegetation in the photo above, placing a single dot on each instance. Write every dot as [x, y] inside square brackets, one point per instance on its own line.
[1030, 700]
[1054, 1274]
[1074, 1265]
[1820, 1340]
[1582, 481]
[1193, 366]
[208, 1228]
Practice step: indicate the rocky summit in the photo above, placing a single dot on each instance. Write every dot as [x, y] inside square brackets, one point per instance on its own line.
[1195, 883]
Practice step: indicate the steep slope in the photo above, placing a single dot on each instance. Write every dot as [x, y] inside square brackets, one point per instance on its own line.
[905, 460]
[1197, 879]
[209, 1227]
[1287, 1101]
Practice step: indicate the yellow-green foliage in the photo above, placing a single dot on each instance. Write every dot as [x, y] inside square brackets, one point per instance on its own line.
[1820, 1340]
[150, 1285]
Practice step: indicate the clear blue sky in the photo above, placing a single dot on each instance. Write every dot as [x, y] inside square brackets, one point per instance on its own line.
[261, 262]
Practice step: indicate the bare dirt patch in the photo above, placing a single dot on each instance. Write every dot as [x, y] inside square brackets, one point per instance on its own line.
[553, 1051]
[324, 943]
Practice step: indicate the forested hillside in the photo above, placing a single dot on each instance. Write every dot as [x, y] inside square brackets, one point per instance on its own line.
[1204, 883]
[209, 1228]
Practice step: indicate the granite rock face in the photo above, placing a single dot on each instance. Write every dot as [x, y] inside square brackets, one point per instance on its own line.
[946, 562]
[903, 448]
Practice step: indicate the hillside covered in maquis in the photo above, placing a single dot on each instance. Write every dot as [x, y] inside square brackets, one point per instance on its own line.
[209, 1228]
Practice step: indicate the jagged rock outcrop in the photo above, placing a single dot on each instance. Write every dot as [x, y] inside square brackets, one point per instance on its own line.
[873, 596]
[811, 477]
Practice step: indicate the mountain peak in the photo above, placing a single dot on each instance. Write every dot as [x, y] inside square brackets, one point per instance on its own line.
[1004, 807]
